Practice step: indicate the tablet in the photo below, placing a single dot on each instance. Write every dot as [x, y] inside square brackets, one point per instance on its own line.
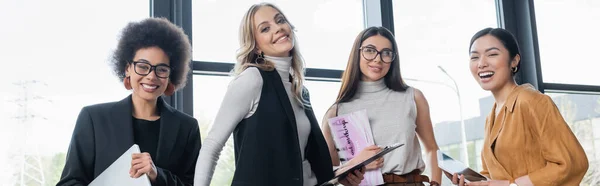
[360, 165]
[452, 166]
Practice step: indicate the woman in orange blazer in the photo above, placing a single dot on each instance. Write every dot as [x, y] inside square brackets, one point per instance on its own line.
[527, 142]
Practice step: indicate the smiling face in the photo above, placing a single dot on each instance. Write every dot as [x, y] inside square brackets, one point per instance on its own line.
[375, 69]
[148, 87]
[490, 63]
[272, 32]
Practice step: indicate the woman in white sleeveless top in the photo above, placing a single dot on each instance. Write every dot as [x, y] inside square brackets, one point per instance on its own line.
[397, 113]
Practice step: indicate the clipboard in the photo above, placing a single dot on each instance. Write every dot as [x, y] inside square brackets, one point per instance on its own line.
[384, 151]
[449, 165]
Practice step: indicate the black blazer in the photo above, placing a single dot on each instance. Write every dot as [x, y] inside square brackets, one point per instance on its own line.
[103, 132]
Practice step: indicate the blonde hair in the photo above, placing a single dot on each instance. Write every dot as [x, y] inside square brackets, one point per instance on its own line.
[247, 55]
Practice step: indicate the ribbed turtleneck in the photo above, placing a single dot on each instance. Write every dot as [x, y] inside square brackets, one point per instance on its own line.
[371, 86]
[392, 118]
[282, 64]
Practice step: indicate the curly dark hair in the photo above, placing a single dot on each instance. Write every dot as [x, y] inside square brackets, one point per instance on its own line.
[154, 32]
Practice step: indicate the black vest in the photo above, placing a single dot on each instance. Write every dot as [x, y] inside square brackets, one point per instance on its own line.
[267, 151]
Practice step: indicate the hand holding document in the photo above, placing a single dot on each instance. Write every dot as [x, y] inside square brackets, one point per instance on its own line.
[118, 172]
[352, 133]
[348, 169]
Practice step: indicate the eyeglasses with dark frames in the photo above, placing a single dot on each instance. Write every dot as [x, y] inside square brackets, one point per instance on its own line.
[370, 53]
[144, 68]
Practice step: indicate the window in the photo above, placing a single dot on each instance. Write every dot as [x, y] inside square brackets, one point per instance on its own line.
[434, 34]
[479, 147]
[582, 113]
[454, 150]
[322, 96]
[58, 61]
[325, 29]
[472, 158]
[567, 33]
[596, 128]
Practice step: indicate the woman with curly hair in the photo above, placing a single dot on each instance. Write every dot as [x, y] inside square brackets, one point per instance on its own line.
[152, 59]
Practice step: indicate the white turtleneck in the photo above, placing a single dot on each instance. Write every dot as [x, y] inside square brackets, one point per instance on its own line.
[240, 102]
[392, 117]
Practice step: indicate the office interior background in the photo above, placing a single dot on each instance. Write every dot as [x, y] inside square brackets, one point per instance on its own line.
[55, 60]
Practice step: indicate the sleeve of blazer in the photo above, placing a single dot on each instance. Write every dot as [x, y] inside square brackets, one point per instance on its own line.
[484, 169]
[566, 159]
[79, 165]
[187, 164]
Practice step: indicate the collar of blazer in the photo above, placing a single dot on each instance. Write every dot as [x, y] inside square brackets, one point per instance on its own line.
[514, 95]
[169, 126]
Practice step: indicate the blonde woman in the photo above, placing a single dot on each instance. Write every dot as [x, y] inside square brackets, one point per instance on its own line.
[276, 135]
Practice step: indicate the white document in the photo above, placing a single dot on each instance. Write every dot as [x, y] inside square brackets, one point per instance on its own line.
[118, 172]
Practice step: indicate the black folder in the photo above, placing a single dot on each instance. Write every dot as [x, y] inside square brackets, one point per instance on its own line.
[362, 164]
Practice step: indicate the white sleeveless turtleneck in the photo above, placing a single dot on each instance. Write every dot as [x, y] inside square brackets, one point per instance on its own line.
[240, 102]
[392, 116]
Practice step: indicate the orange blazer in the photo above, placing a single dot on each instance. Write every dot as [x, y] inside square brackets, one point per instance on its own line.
[530, 137]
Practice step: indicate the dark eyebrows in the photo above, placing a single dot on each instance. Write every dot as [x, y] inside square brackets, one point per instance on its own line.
[486, 50]
[146, 61]
[370, 46]
[374, 47]
[490, 49]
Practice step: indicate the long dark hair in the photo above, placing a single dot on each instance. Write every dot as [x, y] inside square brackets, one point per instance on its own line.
[352, 75]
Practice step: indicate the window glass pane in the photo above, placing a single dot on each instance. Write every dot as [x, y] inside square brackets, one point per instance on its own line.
[473, 159]
[567, 35]
[597, 150]
[322, 96]
[437, 33]
[479, 146]
[581, 111]
[596, 133]
[596, 158]
[207, 104]
[325, 29]
[454, 150]
[58, 61]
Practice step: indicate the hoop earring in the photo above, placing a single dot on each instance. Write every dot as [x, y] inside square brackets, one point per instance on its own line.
[260, 59]
[127, 82]
[515, 69]
[170, 89]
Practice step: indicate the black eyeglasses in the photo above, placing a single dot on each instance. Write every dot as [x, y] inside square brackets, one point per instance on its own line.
[370, 53]
[144, 68]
